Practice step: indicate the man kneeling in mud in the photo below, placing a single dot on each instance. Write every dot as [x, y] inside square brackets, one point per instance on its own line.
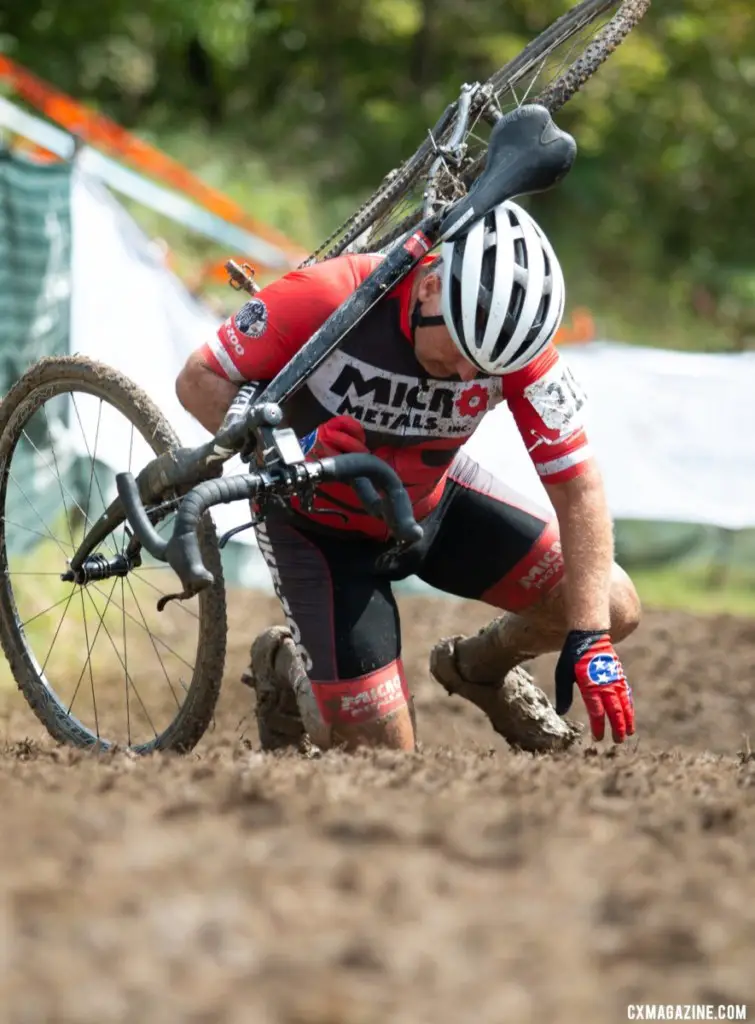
[410, 384]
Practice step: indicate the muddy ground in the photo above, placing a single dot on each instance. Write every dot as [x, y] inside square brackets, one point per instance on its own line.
[461, 884]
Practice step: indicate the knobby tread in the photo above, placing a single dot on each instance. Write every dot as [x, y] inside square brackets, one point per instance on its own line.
[563, 88]
[554, 96]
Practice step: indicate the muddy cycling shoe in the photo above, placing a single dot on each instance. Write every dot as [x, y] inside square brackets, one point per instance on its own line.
[272, 673]
[288, 717]
[518, 709]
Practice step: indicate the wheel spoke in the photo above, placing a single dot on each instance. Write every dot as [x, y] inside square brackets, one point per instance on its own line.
[125, 664]
[152, 640]
[55, 635]
[57, 474]
[92, 455]
[49, 532]
[89, 662]
[51, 607]
[49, 535]
[90, 648]
[148, 583]
[126, 531]
[159, 640]
[524, 98]
[129, 680]
[74, 502]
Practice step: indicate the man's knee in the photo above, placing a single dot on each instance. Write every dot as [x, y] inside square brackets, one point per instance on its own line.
[626, 608]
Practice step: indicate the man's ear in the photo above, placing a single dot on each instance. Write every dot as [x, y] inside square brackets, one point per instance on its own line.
[429, 286]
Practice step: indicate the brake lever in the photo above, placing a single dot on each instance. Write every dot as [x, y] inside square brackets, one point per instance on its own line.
[375, 505]
[185, 595]
[369, 497]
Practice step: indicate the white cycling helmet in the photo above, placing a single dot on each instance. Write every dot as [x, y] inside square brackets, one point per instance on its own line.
[503, 290]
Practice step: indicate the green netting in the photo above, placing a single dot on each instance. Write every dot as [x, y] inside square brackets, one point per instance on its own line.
[35, 307]
[35, 263]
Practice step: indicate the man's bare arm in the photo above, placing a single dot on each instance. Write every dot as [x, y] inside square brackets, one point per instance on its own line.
[587, 541]
[203, 393]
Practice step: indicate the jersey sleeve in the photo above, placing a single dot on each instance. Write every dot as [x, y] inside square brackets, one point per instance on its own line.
[257, 341]
[548, 407]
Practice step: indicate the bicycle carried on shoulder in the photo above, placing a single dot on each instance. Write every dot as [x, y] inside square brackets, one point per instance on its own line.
[106, 555]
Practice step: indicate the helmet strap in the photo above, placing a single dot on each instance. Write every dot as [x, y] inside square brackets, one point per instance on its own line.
[420, 320]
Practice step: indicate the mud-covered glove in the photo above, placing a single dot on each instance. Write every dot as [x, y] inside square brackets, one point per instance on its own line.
[588, 658]
[335, 437]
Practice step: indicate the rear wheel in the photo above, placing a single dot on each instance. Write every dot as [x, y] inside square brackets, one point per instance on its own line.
[549, 71]
[97, 663]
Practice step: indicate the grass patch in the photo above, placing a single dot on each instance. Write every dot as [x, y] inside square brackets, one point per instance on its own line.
[698, 590]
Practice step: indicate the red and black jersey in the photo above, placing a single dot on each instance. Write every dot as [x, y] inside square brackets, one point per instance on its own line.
[414, 422]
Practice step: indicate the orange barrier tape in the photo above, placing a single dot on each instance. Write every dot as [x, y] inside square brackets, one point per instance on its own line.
[33, 151]
[101, 132]
[581, 330]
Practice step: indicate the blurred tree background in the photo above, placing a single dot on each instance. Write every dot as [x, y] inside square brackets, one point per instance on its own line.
[299, 108]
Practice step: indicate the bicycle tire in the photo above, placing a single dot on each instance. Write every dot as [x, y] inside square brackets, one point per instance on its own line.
[49, 377]
[567, 84]
[626, 16]
[554, 97]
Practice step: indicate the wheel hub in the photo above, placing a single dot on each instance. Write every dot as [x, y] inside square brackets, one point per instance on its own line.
[98, 567]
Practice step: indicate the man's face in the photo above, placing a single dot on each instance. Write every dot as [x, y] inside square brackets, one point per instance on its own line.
[434, 347]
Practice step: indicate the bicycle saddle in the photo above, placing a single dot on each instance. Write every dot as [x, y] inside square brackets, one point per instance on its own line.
[527, 153]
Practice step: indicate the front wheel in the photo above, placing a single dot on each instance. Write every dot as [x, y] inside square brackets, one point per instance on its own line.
[97, 663]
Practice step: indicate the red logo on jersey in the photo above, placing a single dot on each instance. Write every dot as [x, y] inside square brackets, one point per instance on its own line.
[473, 400]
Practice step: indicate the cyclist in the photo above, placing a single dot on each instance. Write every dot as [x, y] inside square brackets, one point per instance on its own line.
[410, 383]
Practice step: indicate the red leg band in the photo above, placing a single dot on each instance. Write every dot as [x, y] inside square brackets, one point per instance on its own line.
[366, 699]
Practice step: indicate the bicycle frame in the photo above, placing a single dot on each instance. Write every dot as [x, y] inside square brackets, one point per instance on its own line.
[527, 153]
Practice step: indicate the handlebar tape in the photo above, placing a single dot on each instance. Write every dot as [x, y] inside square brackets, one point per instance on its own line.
[183, 552]
[397, 508]
[146, 534]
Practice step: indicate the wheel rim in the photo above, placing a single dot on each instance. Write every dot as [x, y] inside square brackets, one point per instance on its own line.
[113, 670]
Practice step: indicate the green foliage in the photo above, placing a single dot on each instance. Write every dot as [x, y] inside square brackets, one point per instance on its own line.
[336, 94]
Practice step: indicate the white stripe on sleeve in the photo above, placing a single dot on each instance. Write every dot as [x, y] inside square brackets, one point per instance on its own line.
[218, 350]
[564, 462]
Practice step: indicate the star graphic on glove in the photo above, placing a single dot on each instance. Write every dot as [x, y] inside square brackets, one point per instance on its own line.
[603, 668]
